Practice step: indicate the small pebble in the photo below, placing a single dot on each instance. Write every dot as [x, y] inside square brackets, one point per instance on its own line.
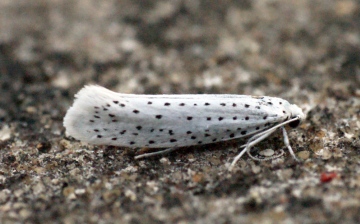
[303, 155]
[267, 152]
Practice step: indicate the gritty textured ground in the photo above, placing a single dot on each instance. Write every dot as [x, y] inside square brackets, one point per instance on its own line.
[305, 51]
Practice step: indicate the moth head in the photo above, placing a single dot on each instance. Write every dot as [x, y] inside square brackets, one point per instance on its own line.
[296, 112]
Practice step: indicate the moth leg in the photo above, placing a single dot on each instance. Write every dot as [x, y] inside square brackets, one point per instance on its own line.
[261, 136]
[252, 141]
[286, 142]
[161, 152]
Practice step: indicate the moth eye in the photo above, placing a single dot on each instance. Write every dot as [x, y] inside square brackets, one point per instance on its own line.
[295, 123]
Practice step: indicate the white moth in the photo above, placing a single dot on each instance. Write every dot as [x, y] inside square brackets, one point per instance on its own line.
[103, 117]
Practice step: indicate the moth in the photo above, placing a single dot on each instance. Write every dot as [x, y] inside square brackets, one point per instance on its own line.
[103, 117]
